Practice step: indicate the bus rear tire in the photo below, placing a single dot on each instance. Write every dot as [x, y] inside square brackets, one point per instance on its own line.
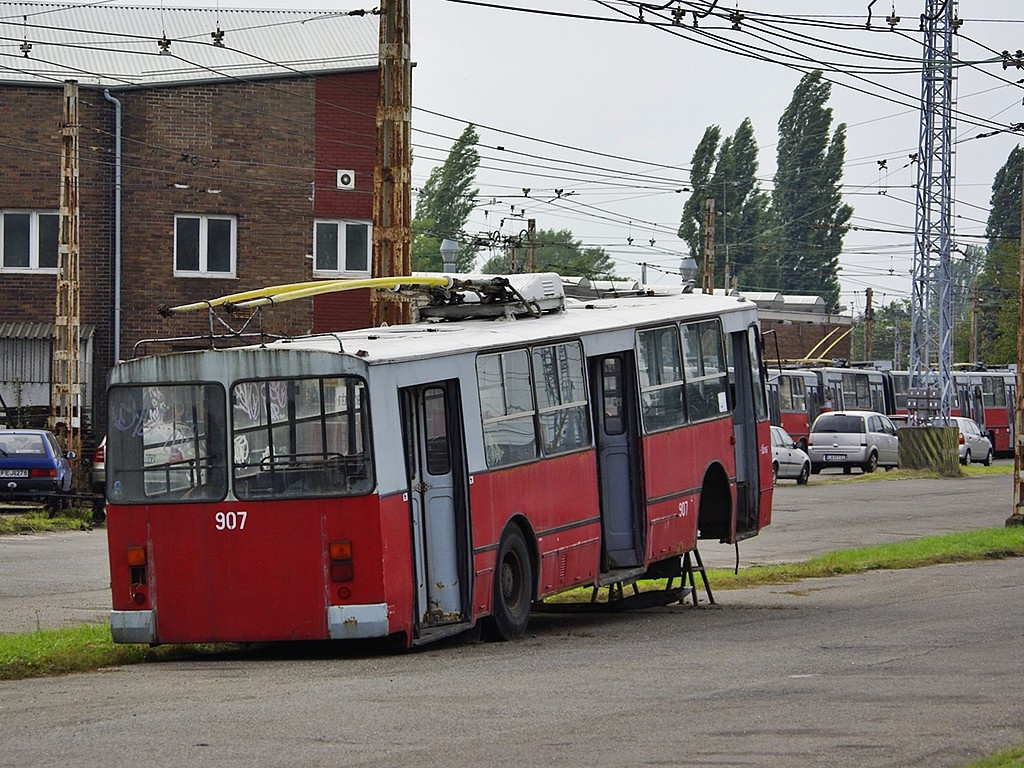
[513, 583]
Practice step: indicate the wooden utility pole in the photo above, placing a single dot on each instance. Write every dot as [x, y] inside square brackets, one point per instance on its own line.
[708, 283]
[531, 245]
[1017, 516]
[392, 186]
[869, 326]
[66, 392]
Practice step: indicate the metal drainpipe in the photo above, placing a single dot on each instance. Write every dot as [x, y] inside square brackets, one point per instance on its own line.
[117, 223]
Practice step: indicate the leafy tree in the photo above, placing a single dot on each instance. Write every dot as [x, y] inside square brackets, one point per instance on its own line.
[691, 228]
[965, 271]
[556, 251]
[730, 179]
[997, 283]
[807, 201]
[444, 205]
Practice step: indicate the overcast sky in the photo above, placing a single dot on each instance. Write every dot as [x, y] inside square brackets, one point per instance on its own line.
[609, 112]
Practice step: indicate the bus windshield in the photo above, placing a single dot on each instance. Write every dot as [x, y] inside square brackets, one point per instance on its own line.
[166, 444]
[295, 438]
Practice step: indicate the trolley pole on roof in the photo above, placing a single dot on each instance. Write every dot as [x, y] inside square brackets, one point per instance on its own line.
[66, 392]
[392, 187]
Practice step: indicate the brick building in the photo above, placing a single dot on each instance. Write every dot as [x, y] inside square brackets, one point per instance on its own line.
[219, 151]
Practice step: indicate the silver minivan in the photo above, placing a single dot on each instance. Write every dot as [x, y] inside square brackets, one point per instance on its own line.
[848, 439]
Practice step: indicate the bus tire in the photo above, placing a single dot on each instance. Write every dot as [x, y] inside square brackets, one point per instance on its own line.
[513, 583]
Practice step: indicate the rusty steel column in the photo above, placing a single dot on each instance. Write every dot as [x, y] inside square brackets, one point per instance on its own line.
[1017, 516]
[392, 177]
[66, 392]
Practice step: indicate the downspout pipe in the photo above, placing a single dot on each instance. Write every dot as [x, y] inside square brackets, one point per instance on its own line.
[117, 222]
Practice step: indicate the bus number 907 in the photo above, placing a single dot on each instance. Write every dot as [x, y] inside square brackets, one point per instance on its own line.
[230, 521]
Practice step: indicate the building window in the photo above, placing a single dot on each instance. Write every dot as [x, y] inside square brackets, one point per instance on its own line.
[28, 240]
[204, 246]
[341, 247]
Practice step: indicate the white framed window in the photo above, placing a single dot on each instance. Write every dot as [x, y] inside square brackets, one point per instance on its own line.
[29, 241]
[204, 246]
[342, 247]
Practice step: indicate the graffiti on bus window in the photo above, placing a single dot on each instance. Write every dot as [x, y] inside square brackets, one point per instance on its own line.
[251, 399]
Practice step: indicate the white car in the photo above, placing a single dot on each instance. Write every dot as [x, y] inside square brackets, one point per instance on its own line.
[974, 444]
[788, 461]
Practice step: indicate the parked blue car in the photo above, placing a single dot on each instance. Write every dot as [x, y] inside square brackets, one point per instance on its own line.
[32, 465]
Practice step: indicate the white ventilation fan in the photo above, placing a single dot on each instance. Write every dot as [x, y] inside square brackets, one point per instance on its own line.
[346, 179]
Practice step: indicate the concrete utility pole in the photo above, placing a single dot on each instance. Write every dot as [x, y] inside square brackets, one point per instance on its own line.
[931, 328]
[392, 185]
[1017, 517]
[66, 392]
[708, 283]
[531, 245]
[972, 344]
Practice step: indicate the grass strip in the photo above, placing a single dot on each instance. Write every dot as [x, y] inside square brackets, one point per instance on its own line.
[39, 521]
[89, 647]
[958, 547]
[1009, 758]
[83, 648]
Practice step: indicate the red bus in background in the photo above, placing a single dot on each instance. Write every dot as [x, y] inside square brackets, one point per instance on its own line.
[795, 396]
[989, 397]
[417, 480]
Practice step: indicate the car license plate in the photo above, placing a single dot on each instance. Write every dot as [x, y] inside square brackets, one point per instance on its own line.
[835, 457]
[13, 473]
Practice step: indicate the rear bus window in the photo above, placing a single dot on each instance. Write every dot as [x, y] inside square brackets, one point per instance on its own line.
[839, 423]
[294, 438]
[166, 443]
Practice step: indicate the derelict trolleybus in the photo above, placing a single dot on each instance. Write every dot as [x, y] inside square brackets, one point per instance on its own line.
[417, 480]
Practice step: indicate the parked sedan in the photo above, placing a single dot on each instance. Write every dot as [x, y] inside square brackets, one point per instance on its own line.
[788, 460]
[32, 465]
[974, 444]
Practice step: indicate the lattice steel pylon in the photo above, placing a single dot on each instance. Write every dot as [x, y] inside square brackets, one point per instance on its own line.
[931, 328]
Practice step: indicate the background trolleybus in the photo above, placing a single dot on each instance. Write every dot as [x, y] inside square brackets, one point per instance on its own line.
[416, 480]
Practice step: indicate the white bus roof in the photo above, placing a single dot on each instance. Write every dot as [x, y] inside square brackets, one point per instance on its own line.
[430, 339]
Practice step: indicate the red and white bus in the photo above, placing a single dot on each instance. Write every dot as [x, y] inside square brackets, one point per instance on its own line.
[795, 395]
[988, 397]
[417, 479]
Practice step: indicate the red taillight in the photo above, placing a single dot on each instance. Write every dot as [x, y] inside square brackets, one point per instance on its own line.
[98, 456]
[42, 473]
[341, 561]
[961, 439]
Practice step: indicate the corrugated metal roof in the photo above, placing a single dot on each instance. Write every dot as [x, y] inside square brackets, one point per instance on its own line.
[39, 330]
[119, 46]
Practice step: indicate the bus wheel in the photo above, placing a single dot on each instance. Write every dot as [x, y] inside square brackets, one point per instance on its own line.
[513, 581]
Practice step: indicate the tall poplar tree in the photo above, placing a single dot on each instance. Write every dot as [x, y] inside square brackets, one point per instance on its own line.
[807, 201]
[997, 284]
[728, 175]
[444, 204]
